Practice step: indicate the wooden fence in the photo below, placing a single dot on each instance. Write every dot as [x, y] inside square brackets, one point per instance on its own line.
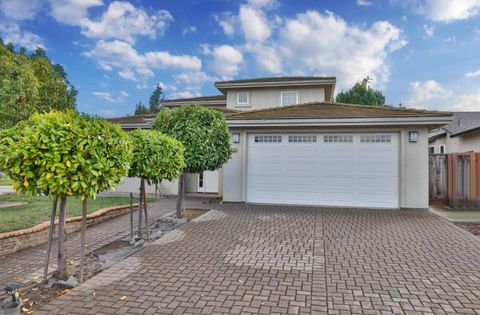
[454, 179]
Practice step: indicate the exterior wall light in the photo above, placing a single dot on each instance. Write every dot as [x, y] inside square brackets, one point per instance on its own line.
[236, 137]
[413, 136]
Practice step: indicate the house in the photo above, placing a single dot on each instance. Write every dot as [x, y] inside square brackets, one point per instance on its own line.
[293, 145]
[462, 134]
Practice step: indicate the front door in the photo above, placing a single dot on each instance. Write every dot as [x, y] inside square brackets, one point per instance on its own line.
[208, 182]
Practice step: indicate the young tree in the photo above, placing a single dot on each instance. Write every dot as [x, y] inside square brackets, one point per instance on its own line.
[156, 99]
[205, 136]
[64, 154]
[361, 93]
[156, 157]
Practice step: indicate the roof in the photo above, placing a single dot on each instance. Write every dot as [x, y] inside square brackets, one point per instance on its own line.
[462, 123]
[325, 110]
[211, 100]
[276, 79]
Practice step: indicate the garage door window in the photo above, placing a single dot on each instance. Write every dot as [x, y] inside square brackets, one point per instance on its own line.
[375, 138]
[302, 139]
[268, 139]
[337, 138]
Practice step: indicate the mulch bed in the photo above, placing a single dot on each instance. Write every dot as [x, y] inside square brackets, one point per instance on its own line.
[473, 228]
[36, 294]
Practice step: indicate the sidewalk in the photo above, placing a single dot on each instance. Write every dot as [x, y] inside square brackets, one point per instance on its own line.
[456, 216]
[26, 264]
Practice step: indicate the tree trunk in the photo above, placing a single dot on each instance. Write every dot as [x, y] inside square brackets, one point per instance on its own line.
[131, 216]
[140, 213]
[84, 230]
[180, 195]
[145, 209]
[50, 237]
[61, 273]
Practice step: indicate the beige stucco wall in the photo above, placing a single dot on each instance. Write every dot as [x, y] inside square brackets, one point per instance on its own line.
[463, 143]
[271, 97]
[413, 168]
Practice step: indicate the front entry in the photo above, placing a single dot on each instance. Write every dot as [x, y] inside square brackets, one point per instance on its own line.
[207, 182]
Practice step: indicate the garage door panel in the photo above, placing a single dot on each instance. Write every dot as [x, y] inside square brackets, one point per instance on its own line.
[336, 170]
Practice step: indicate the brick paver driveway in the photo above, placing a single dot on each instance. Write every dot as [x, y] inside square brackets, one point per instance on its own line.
[271, 260]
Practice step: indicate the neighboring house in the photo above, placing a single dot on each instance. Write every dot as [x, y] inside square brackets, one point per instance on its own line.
[462, 134]
[293, 145]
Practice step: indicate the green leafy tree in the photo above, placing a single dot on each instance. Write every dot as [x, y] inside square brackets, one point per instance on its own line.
[19, 87]
[156, 99]
[361, 93]
[64, 154]
[141, 109]
[30, 84]
[205, 136]
[156, 157]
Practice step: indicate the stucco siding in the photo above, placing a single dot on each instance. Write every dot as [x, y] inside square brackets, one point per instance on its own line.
[463, 143]
[271, 97]
[413, 163]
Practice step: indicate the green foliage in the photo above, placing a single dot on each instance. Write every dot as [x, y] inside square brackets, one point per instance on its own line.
[155, 100]
[30, 84]
[360, 93]
[19, 88]
[156, 157]
[203, 132]
[64, 154]
[141, 109]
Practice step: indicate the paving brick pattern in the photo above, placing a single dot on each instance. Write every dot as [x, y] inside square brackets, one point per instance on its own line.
[243, 259]
[27, 264]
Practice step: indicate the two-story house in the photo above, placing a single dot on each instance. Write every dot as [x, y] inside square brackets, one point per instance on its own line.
[294, 145]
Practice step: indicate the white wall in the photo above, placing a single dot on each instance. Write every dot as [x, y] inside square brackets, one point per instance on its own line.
[132, 184]
[413, 164]
[271, 97]
[463, 143]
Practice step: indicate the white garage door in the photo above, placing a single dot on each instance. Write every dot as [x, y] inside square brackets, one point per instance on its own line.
[358, 170]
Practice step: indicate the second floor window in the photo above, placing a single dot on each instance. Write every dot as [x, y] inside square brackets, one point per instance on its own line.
[289, 98]
[242, 98]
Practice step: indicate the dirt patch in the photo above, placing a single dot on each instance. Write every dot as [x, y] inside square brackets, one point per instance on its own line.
[35, 295]
[473, 228]
[114, 245]
[191, 214]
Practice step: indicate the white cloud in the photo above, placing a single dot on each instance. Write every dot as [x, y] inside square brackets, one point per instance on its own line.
[254, 24]
[121, 55]
[443, 10]
[193, 78]
[473, 73]
[263, 4]
[422, 92]
[123, 21]
[364, 3]
[326, 44]
[189, 29]
[450, 39]
[227, 22]
[20, 9]
[72, 12]
[226, 60]
[107, 96]
[185, 94]
[465, 102]
[167, 87]
[13, 34]
[429, 30]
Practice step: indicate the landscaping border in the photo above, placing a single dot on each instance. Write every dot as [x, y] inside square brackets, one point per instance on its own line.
[13, 241]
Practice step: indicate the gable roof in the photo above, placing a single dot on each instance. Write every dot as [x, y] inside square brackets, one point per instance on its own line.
[462, 123]
[325, 110]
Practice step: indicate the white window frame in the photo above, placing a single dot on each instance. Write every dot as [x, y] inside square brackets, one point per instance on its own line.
[243, 103]
[296, 97]
[444, 149]
[430, 148]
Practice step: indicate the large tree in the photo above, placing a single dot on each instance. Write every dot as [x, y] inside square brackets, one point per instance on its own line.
[205, 136]
[156, 157]
[141, 109]
[362, 94]
[30, 84]
[156, 99]
[64, 154]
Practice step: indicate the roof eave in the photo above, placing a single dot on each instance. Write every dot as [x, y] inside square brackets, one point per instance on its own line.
[439, 120]
[453, 135]
[176, 103]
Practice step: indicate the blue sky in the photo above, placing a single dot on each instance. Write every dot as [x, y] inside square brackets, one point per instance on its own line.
[421, 53]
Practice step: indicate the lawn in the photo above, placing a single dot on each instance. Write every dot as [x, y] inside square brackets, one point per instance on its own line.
[38, 209]
[5, 181]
